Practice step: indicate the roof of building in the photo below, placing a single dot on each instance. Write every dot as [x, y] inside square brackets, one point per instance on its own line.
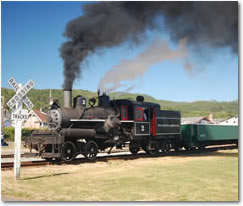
[198, 119]
[41, 115]
[230, 121]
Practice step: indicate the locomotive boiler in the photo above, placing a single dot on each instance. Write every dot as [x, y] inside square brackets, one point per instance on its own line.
[80, 129]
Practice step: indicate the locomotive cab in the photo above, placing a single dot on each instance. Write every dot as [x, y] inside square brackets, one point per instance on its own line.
[142, 120]
[155, 130]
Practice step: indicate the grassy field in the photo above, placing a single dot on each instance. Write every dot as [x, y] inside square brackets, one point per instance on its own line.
[204, 177]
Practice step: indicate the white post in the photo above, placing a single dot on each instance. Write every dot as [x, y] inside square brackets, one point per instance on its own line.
[17, 142]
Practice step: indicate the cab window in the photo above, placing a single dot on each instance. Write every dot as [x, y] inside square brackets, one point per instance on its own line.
[139, 114]
[146, 115]
[124, 114]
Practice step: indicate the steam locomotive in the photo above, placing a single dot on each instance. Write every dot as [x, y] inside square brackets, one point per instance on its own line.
[79, 129]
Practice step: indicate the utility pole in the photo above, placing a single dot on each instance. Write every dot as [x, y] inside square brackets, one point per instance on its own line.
[2, 112]
[50, 100]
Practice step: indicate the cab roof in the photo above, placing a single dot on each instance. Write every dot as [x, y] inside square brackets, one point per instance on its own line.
[136, 103]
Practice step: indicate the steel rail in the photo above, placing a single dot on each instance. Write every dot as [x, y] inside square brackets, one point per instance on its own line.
[10, 165]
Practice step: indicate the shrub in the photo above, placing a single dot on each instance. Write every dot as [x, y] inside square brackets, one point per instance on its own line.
[8, 133]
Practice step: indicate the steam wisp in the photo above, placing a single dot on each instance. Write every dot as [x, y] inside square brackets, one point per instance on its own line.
[157, 52]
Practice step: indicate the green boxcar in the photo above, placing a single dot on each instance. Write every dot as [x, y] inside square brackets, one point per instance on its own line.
[196, 135]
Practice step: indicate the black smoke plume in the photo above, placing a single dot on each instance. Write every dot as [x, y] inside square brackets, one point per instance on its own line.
[108, 24]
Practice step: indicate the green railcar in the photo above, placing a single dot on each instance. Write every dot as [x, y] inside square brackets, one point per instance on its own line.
[201, 135]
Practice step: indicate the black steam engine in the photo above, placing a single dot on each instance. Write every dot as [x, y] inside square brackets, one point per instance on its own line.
[77, 129]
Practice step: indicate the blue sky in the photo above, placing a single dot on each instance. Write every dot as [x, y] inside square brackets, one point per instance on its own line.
[32, 33]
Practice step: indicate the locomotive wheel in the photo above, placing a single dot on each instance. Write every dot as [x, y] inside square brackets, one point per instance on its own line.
[166, 147]
[188, 148]
[134, 150]
[90, 150]
[201, 146]
[152, 148]
[68, 151]
[144, 147]
[176, 148]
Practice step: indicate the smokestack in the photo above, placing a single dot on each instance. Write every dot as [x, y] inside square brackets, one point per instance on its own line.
[67, 98]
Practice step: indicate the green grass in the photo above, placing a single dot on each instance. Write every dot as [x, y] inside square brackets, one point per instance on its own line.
[213, 177]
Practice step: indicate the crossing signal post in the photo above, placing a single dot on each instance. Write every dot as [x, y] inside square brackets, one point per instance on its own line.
[18, 115]
[17, 142]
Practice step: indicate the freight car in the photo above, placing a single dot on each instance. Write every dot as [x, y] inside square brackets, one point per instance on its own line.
[77, 129]
[202, 135]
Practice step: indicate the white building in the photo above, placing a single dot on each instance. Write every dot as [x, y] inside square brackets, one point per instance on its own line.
[231, 121]
[36, 119]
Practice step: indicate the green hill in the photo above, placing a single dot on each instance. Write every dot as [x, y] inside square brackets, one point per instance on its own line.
[40, 99]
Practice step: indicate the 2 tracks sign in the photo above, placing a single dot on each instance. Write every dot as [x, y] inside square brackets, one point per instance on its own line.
[20, 114]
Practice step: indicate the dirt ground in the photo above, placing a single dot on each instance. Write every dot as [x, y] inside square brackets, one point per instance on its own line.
[10, 148]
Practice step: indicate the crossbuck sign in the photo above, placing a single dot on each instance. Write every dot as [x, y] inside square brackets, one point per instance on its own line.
[19, 114]
[20, 93]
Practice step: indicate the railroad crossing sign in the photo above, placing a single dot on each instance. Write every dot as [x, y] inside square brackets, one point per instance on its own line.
[20, 93]
[19, 114]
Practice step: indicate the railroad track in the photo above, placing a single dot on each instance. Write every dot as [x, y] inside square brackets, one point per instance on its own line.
[3, 156]
[9, 165]
[144, 155]
[9, 156]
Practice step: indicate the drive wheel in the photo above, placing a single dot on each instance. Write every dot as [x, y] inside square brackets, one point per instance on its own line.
[133, 149]
[152, 148]
[188, 148]
[166, 147]
[144, 147]
[68, 151]
[90, 150]
[201, 146]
